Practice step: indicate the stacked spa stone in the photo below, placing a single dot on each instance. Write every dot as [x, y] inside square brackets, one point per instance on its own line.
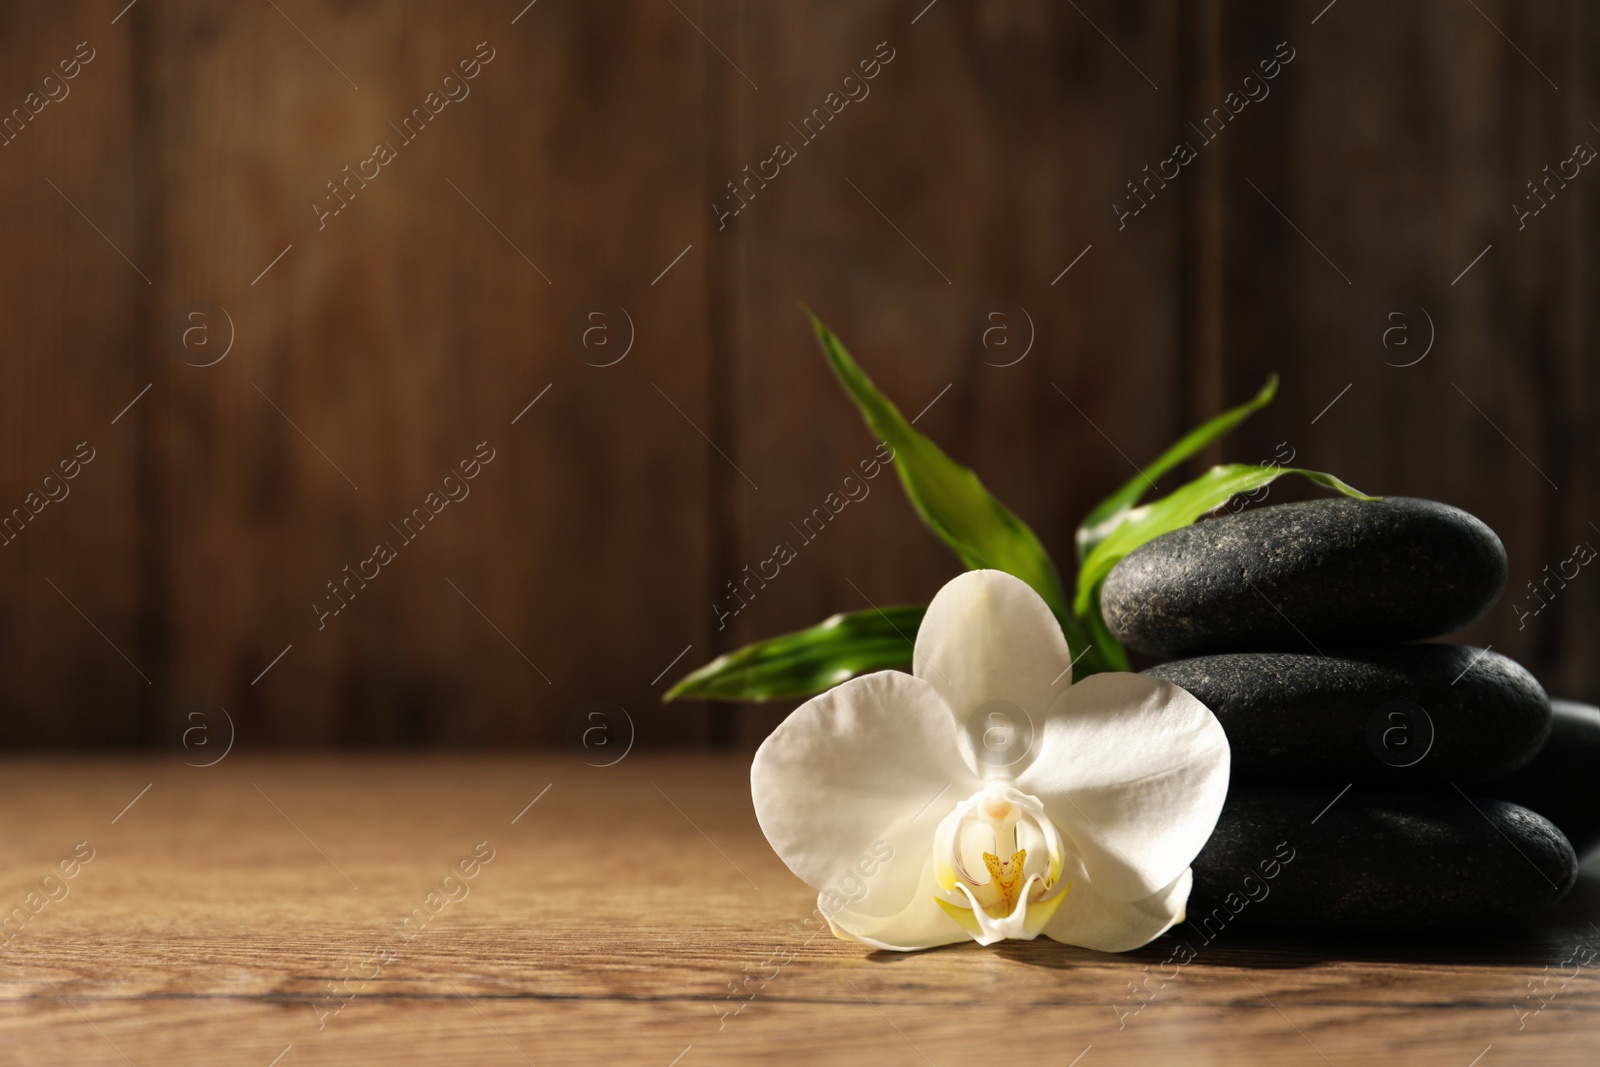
[1297, 625]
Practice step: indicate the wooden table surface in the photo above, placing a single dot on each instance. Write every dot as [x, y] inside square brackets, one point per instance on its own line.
[253, 913]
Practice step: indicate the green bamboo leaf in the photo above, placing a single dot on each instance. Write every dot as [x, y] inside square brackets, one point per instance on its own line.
[948, 497]
[806, 662]
[1180, 508]
[1111, 511]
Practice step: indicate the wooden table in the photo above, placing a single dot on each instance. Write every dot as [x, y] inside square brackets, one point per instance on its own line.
[254, 912]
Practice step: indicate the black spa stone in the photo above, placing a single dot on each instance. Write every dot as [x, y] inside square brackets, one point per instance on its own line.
[1559, 783]
[1306, 576]
[1375, 862]
[1398, 715]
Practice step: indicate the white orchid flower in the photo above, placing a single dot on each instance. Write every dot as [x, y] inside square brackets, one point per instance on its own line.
[984, 797]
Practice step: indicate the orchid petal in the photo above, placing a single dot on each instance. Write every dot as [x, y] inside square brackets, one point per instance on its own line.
[921, 923]
[1133, 771]
[1089, 920]
[987, 636]
[867, 768]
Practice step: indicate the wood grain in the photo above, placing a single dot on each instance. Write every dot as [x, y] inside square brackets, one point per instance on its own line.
[70, 548]
[610, 924]
[393, 338]
[410, 332]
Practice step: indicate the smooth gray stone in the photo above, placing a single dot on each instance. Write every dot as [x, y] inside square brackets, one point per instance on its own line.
[1375, 861]
[1560, 781]
[1353, 716]
[1306, 577]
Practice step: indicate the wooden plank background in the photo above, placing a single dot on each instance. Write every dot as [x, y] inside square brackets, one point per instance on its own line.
[932, 219]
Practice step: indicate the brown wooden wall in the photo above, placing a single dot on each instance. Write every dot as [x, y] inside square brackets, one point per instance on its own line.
[166, 202]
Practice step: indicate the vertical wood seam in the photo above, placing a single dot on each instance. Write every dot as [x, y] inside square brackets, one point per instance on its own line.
[721, 122]
[152, 551]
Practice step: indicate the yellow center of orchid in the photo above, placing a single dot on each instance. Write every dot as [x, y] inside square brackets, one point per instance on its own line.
[993, 898]
[1004, 875]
